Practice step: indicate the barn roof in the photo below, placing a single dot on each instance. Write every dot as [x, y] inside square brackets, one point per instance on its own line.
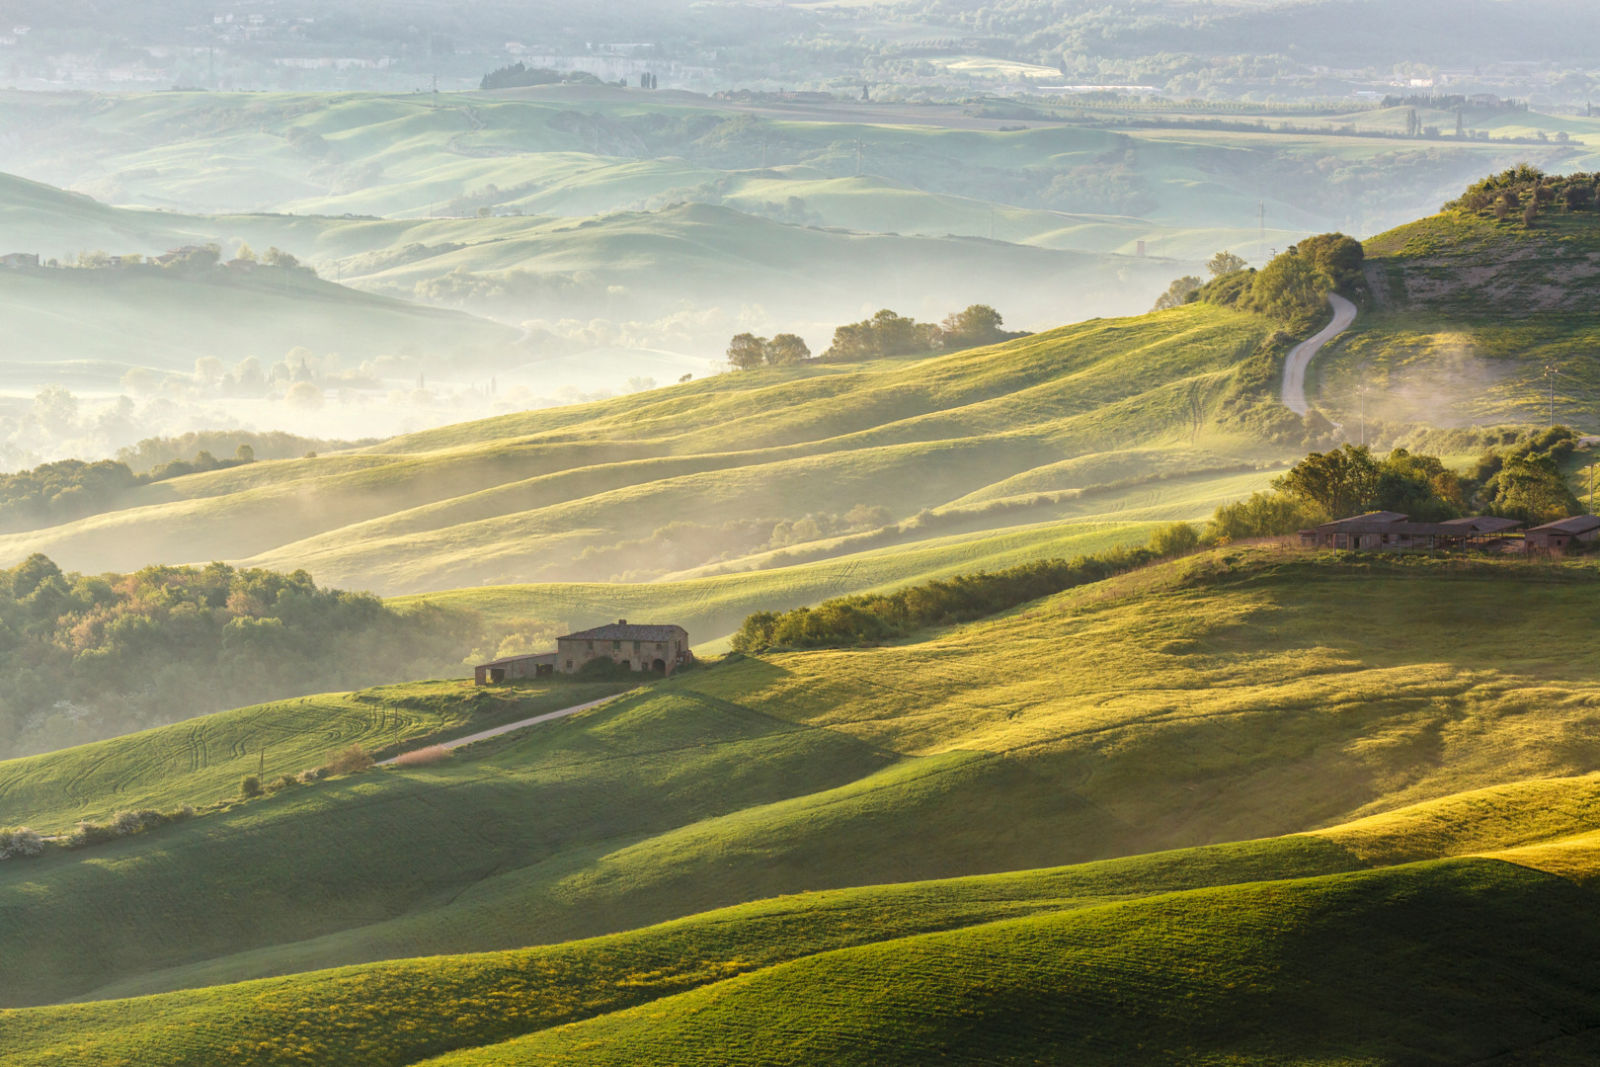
[1577, 524]
[530, 657]
[621, 630]
[1483, 523]
[1371, 518]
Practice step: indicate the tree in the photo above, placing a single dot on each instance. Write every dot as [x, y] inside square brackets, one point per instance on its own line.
[1419, 486]
[787, 348]
[1530, 211]
[1337, 256]
[1289, 288]
[978, 325]
[1532, 489]
[747, 351]
[1224, 263]
[245, 253]
[1178, 293]
[1340, 482]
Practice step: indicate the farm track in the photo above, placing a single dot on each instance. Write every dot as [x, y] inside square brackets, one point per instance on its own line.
[1299, 361]
[484, 735]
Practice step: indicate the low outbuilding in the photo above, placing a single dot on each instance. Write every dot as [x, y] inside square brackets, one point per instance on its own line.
[1379, 530]
[514, 668]
[1560, 535]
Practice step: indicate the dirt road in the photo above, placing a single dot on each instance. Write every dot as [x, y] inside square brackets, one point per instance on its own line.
[1294, 368]
[548, 716]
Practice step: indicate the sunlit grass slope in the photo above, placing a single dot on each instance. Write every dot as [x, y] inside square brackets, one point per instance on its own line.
[585, 492]
[1235, 695]
[203, 760]
[1468, 314]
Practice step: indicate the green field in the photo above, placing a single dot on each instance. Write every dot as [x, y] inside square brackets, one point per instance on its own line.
[980, 819]
[1109, 423]
[1199, 702]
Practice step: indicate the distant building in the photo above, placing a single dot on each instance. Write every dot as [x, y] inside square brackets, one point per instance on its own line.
[1559, 535]
[1377, 530]
[656, 649]
[19, 260]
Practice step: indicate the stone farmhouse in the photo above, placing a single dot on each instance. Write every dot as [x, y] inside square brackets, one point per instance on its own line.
[653, 648]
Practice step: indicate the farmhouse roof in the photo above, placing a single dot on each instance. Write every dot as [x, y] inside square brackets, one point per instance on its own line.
[1577, 524]
[622, 631]
[1371, 518]
[1483, 523]
[540, 657]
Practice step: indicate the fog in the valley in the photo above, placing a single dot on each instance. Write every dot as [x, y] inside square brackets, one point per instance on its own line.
[507, 216]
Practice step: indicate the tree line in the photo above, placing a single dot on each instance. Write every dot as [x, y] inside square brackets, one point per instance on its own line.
[84, 657]
[1292, 288]
[1523, 482]
[1525, 191]
[885, 333]
[71, 489]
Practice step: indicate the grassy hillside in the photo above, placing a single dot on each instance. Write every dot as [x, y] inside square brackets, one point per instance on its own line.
[1468, 314]
[661, 482]
[202, 761]
[1203, 701]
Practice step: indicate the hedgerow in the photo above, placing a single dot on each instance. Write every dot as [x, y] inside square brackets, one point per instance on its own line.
[870, 618]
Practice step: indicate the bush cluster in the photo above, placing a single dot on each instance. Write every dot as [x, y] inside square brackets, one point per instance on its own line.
[20, 842]
[1524, 191]
[124, 824]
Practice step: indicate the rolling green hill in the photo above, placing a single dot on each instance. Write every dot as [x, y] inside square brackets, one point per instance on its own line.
[1198, 702]
[1413, 803]
[1060, 425]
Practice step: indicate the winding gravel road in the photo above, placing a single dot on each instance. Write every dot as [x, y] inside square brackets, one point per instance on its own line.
[1294, 368]
[482, 735]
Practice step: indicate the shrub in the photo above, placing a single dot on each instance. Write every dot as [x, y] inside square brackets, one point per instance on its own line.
[604, 669]
[250, 786]
[352, 760]
[313, 774]
[19, 841]
[1174, 539]
[282, 782]
[423, 757]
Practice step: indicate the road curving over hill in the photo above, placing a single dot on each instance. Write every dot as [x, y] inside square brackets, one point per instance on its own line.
[1294, 368]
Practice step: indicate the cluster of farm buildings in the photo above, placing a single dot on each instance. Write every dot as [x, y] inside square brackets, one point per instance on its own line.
[658, 649]
[1380, 530]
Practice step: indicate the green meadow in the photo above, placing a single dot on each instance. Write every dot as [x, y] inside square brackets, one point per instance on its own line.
[1253, 804]
[1198, 702]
